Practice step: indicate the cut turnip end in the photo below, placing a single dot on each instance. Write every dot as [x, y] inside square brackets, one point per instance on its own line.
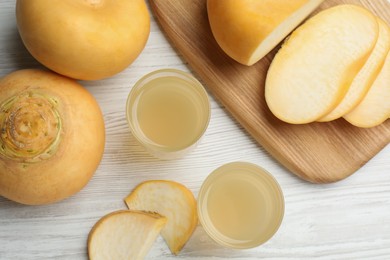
[124, 235]
[171, 200]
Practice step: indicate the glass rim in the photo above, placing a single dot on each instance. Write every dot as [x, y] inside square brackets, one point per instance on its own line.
[208, 227]
[196, 86]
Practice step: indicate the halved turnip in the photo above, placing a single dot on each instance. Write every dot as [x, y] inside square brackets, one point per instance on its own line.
[248, 30]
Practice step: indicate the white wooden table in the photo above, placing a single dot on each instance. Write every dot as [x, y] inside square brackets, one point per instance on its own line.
[346, 220]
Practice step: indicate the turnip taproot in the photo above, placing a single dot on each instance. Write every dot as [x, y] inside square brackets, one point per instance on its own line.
[51, 137]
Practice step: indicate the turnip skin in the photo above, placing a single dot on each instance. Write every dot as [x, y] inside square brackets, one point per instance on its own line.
[52, 137]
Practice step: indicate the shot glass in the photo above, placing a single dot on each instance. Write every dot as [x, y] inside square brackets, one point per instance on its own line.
[168, 112]
[240, 205]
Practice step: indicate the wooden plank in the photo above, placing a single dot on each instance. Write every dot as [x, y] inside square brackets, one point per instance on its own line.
[316, 152]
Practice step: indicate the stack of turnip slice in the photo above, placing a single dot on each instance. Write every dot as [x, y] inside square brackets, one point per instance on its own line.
[334, 65]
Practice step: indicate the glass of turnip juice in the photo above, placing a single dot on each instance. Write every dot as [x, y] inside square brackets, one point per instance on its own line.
[168, 112]
[240, 205]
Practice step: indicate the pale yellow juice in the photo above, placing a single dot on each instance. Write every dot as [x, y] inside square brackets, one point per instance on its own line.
[168, 112]
[235, 208]
[240, 205]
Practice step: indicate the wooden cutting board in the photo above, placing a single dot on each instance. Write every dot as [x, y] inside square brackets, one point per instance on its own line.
[316, 152]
